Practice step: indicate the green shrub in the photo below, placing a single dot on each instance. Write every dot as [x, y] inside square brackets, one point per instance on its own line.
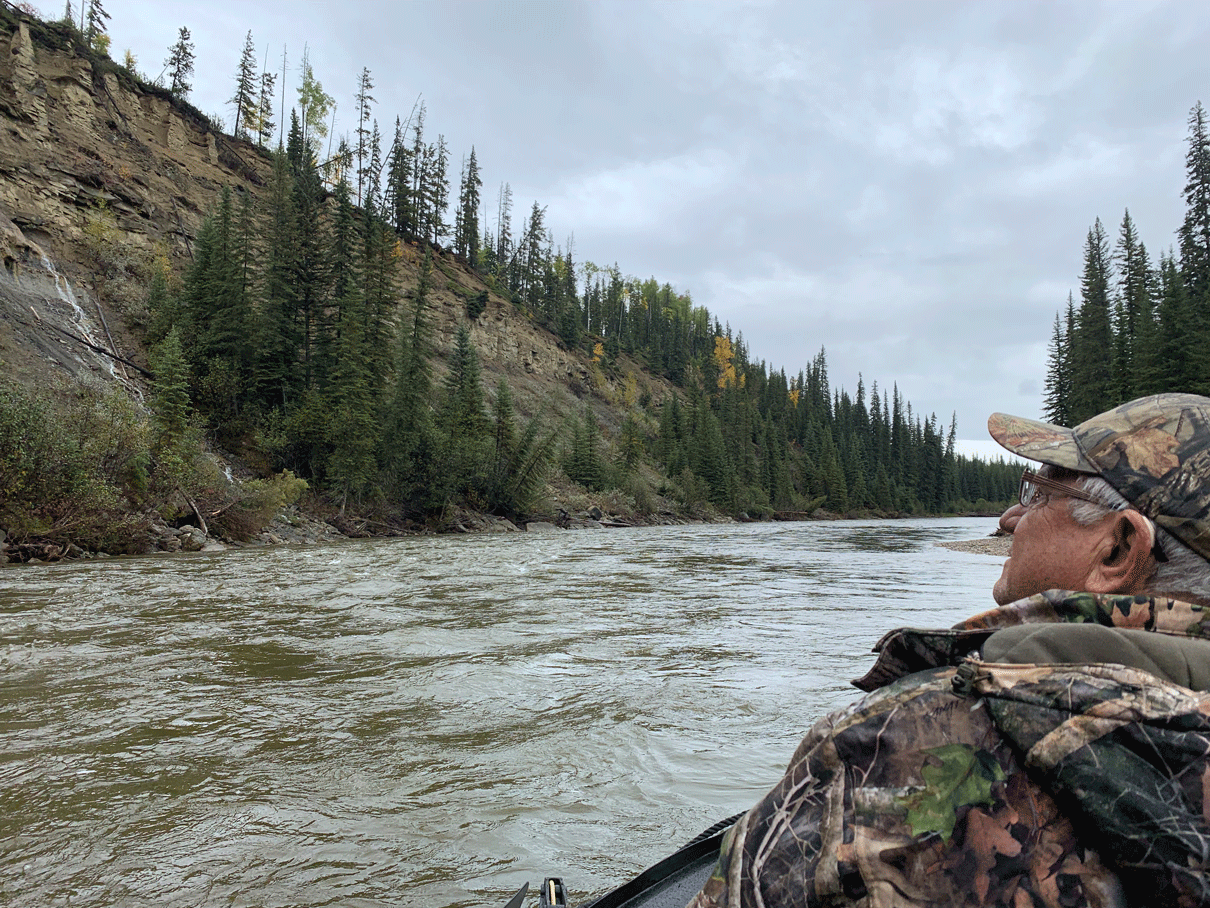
[476, 305]
[256, 503]
[56, 483]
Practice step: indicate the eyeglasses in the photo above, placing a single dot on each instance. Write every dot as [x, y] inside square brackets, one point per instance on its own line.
[1032, 486]
[1031, 491]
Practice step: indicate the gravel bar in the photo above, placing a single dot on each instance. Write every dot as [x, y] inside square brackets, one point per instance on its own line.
[996, 546]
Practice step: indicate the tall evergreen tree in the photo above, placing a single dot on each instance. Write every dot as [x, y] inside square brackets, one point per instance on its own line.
[1194, 236]
[1133, 309]
[245, 99]
[398, 202]
[462, 419]
[179, 65]
[1092, 342]
[309, 257]
[350, 398]
[344, 278]
[421, 171]
[373, 174]
[583, 463]
[534, 256]
[466, 221]
[504, 240]
[365, 84]
[1058, 371]
[277, 337]
[1180, 365]
[264, 105]
[410, 445]
[95, 25]
[518, 461]
[170, 388]
[436, 195]
[1195, 229]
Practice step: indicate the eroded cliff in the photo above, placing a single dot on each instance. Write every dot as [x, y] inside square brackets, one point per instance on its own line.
[87, 149]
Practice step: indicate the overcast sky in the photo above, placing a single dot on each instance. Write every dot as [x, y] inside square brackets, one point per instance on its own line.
[908, 185]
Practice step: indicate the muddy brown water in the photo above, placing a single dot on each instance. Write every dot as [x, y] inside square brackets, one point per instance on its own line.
[430, 721]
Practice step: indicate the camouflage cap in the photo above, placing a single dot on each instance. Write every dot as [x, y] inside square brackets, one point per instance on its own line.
[1155, 451]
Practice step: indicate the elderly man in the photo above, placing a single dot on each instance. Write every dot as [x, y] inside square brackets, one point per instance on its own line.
[1053, 751]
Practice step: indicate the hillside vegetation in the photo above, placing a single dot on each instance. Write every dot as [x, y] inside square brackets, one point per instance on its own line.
[348, 332]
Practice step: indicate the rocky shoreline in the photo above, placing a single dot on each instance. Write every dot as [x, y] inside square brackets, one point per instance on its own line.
[296, 526]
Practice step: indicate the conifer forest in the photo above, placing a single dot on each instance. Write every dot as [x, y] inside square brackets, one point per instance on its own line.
[1141, 325]
[294, 341]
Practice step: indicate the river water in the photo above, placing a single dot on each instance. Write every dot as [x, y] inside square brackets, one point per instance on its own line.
[430, 721]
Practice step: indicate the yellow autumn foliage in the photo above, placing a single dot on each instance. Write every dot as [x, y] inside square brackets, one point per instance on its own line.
[723, 356]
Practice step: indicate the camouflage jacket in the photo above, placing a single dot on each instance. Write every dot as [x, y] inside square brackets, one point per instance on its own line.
[960, 782]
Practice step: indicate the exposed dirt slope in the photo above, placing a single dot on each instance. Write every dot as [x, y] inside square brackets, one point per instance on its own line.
[81, 139]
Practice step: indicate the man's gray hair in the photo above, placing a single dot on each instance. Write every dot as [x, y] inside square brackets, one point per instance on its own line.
[1185, 575]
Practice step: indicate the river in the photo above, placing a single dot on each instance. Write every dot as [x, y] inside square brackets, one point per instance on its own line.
[430, 721]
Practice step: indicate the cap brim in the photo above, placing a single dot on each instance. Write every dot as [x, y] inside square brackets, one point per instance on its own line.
[1037, 440]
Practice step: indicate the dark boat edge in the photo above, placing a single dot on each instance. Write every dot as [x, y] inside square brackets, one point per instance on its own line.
[669, 883]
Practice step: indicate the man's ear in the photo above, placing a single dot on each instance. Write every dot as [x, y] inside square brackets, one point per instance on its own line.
[1124, 562]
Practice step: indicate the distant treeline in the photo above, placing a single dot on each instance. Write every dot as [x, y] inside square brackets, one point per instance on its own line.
[1139, 328]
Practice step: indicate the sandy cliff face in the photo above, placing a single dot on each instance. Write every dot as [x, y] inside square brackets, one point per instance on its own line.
[78, 144]
[74, 140]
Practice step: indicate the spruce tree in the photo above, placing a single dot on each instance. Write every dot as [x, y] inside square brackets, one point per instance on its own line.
[630, 443]
[1179, 367]
[1132, 308]
[276, 335]
[1058, 375]
[344, 279]
[1194, 236]
[504, 240]
[310, 256]
[519, 460]
[1092, 342]
[245, 99]
[835, 490]
[180, 65]
[170, 388]
[96, 29]
[409, 449]
[264, 106]
[421, 169]
[436, 195]
[583, 463]
[534, 254]
[381, 295]
[365, 84]
[462, 421]
[398, 205]
[352, 423]
[1195, 229]
[466, 219]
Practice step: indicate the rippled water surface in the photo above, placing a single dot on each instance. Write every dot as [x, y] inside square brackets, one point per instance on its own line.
[430, 721]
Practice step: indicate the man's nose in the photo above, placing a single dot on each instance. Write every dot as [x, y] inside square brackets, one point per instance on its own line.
[1010, 518]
